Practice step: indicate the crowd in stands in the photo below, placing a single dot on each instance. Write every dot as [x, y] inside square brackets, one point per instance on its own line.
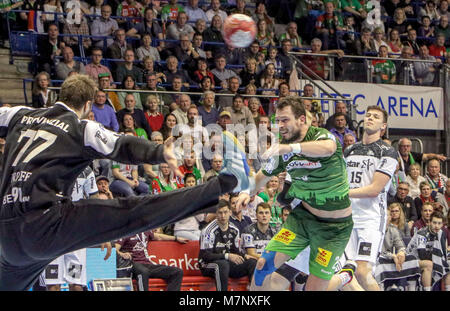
[191, 32]
[157, 46]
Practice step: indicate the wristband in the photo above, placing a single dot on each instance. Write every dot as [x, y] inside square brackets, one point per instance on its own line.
[296, 148]
[226, 256]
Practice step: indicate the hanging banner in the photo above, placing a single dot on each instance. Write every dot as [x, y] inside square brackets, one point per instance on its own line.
[409, 107]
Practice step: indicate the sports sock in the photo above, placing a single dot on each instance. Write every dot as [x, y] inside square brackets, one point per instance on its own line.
[345, 278]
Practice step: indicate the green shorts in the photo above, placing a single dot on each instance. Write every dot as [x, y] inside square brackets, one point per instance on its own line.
[327, 240]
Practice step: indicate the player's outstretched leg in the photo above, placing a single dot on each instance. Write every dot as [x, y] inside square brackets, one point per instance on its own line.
[265, 278]
[365, 277]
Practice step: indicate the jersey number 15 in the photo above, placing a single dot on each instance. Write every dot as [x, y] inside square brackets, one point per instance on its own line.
[356, 177]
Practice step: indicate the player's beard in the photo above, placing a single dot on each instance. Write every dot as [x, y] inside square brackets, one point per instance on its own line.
[295, 136]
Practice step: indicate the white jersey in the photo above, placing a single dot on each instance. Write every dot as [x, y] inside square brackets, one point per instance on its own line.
[85, 185]
[362, 162]
[71, 267]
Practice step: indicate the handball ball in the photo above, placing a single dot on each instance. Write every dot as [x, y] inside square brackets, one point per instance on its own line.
[239, 30]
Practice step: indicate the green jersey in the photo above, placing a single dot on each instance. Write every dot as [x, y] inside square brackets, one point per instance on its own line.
[6, 4]
[296, 42]
[354, 4]
[322, 181]
[385, 69]
[367, 5]
[170, 13]
[140, 132]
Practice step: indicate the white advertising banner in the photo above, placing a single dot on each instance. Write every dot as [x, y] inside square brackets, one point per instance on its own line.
[409, 107]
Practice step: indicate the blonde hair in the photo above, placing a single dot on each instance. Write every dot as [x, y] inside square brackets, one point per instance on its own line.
[148, 57]
[266, 187]
[428, 204]
[415, 165]
[403, 14]
[249, 86]
[401, 219]
[250, 60]
[77, 90]
[36, 87]
[150, 97]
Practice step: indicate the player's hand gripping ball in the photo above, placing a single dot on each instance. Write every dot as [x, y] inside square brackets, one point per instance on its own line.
[239, 30]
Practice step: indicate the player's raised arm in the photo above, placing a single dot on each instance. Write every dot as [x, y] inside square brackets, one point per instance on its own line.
[317, 149]
[7, 113]
[121, 148]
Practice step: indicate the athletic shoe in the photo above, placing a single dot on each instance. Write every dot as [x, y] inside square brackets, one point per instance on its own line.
[393, 288]
[349, 268]
[235, 162]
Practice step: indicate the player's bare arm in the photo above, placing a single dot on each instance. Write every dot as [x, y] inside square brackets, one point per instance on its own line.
[378, 183]
[322, 148]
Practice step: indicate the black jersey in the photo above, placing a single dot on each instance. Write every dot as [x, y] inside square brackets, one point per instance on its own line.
[46, 149]
[252, 237]
[215, 243]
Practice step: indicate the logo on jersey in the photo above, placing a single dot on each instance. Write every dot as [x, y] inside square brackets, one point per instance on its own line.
[271, 165]
[103, 139]
[383, 163]
[365, 248]
[285, 236]
[323, 257]
[337, 265]
[367, 164]
[287, 156]
[303, 164]
[51, 272]
[226, 245]
[247, 238]
[422, 240]
[352, 164]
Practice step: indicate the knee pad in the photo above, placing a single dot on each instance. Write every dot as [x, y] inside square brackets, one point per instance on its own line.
[268, 268]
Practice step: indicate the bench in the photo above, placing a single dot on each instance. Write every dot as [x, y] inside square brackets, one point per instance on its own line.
[185, 256]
